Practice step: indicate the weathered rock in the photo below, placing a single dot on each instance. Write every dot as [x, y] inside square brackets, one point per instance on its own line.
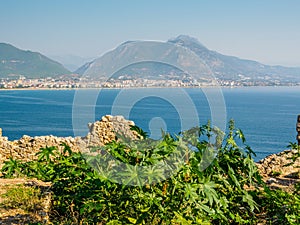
[100, 133]
[109, 128]
[280, 163]
[280, 170]
[271, 180]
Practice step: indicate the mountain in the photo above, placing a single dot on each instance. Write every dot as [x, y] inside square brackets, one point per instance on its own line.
[222, 66]
[148, 60]
[230, 67]
[15, 62]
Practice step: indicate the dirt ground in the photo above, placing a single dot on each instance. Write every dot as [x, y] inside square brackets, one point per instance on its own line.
[15, 215]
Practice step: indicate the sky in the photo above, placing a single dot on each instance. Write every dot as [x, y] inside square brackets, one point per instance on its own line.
[267, 31]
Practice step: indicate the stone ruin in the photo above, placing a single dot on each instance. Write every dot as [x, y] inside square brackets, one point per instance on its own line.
[100, 133]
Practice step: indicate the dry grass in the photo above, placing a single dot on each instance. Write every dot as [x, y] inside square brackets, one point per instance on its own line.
[23, 201]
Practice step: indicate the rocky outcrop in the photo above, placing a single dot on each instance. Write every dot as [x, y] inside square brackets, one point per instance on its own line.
[100, 133]
[108, 129]
[280, 170]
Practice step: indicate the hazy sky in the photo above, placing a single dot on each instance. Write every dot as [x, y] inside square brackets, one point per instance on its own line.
[264, 30]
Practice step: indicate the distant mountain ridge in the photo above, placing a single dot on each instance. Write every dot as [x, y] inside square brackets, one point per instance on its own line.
[16, 62]
[222, 66]
[231, 67]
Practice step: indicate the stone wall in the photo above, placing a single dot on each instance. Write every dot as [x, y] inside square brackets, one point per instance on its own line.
[100, 133]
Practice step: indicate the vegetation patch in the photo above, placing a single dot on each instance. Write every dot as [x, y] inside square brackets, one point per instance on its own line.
[176, 185]
[23, 201]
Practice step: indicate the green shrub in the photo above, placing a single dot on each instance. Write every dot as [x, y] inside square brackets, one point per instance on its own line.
[281, 207]
[205, 183]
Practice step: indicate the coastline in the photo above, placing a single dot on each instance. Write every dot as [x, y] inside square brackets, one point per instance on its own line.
[154, 87]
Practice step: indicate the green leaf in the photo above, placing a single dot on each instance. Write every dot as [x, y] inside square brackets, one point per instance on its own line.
[131, 220]
[231, 174]
[249, 199]
[114, 222]
[140, 131]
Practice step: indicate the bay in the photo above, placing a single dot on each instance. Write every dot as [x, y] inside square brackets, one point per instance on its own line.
[267, 115]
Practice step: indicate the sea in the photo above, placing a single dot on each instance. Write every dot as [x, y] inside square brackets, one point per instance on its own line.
[266, 115]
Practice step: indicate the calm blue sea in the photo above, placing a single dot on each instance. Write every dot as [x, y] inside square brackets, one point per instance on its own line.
[267, 115]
